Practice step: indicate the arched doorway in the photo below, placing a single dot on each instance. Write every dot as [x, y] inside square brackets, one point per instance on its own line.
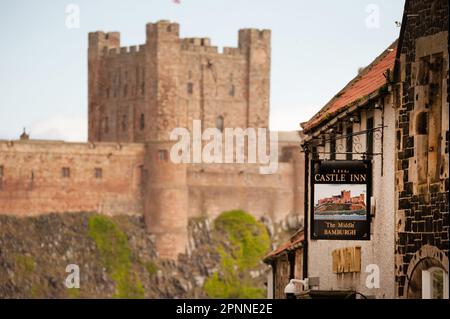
[429, 280]
[427, 276]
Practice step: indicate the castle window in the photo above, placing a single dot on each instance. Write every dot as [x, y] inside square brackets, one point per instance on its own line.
[142, 173]
[232, 90]
[125, 90]
[142, 121]
[220, 123]
[422, 123]
[286, 155]
[98, 172]
[163, 155]
[190, 88]
[105, 125]
[107, 93]
[65, 172]
[31, 180]
[124, 123]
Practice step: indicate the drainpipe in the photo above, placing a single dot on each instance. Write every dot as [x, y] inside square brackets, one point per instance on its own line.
[305, 217]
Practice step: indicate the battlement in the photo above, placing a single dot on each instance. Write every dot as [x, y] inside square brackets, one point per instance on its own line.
[196, 41]
[98, 41]
[31, 146]
[203, 45]
[108, 44]
[162, 29]
[254, 37]
[198, 45]
[124, 50]
[231, 51]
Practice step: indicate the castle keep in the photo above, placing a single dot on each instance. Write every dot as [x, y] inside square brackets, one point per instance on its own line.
[137, 95]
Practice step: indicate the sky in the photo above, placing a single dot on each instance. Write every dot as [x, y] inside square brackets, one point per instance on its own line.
[317, 47]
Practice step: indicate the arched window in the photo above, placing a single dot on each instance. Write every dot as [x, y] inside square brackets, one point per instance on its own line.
[428, 279]
[219, 123]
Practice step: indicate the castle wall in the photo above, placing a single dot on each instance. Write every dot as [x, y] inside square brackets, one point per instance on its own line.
[39, 177]
[233, 84]
[213, 85]
[32, 181]
[128, 86]
[215, 188]
[117, 89]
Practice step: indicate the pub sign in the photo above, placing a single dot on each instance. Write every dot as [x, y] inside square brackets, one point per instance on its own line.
[340, 200]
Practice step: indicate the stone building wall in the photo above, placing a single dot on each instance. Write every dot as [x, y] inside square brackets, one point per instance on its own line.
[116, 77]
[422, 177]
[38, 177]
[214, 189]
[108, 178]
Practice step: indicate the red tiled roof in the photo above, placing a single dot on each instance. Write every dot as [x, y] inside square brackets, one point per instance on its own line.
[367, 82]
[286, 246]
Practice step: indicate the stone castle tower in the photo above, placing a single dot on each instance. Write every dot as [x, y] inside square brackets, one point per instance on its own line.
[139, 94]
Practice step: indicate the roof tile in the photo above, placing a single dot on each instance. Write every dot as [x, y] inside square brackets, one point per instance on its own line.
[369, 81]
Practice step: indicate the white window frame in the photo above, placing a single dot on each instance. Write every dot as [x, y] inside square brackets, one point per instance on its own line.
[427, 283]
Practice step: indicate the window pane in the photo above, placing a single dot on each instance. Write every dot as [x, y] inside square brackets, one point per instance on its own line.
[437, 277]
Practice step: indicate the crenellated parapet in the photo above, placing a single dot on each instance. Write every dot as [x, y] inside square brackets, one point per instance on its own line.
[123, 50]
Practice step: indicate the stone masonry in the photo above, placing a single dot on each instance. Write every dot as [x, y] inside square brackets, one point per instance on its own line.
[422, 176]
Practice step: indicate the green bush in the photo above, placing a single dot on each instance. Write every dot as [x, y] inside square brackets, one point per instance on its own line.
[25, 264]
[115, 252]
[151, 268]
[242, 241]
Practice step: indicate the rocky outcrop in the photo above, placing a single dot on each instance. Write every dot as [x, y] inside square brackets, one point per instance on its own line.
[115, 255]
